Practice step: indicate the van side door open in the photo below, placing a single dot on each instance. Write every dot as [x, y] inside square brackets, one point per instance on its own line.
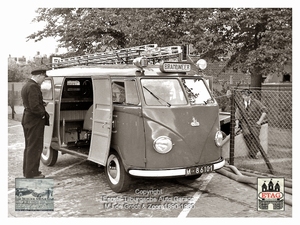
[101, 120]
[48, 97]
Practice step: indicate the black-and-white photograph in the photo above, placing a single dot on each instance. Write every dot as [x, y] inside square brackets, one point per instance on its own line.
[34, 194]
[151, 112]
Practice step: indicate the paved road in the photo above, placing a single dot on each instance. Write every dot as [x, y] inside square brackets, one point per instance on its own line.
[81, 190]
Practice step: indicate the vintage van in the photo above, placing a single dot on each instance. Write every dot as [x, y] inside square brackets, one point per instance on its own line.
[142, 119]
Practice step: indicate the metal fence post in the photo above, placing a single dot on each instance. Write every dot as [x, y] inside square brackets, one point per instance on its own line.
[232, 128]
[12, 102]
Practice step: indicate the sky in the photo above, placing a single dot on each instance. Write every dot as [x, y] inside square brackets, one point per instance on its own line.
[22, 27]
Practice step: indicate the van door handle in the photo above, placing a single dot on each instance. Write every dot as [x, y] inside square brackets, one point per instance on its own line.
[113, 126]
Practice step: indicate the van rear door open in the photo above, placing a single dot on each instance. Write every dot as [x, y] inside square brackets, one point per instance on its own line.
[102, 120]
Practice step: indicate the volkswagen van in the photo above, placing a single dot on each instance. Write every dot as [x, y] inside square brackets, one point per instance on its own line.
[154, 117]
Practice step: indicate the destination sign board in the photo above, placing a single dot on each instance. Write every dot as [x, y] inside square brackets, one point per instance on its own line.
[175, 67]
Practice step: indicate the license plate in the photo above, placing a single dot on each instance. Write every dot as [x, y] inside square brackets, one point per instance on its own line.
[199, 170]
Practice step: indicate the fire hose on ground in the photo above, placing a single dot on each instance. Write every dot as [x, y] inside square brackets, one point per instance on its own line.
[250, 179]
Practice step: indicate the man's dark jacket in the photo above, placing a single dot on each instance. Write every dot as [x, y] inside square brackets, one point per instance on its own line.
[33, 103]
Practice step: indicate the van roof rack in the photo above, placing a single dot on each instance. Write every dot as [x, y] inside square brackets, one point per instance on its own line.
[122, 56]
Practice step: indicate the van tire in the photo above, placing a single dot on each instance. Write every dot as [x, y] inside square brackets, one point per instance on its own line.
[49, 157]
[118, 179]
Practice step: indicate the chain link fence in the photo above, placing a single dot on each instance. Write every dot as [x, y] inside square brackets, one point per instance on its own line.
[272, 139]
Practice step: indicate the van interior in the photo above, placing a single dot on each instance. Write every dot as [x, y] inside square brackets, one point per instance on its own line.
[76, 113]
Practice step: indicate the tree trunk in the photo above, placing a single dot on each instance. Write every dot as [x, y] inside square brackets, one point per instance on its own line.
[256, 80]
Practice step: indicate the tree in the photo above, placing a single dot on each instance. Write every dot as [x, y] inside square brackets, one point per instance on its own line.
[18, 72]
[86, 30]
[14, 71]
[258, 41]
[80, 30]
[255, 40]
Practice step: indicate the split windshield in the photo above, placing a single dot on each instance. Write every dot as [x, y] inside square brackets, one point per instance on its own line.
[197, 91]
[169, 92]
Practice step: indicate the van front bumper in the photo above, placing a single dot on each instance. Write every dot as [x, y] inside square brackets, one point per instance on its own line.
[169, 172]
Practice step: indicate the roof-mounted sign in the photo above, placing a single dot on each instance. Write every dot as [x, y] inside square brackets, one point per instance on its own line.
[180, 67]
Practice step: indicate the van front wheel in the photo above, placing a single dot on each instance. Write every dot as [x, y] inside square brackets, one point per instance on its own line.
[118, 178]
[49, 156]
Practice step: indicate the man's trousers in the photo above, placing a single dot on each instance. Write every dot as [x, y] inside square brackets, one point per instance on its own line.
[34, 142]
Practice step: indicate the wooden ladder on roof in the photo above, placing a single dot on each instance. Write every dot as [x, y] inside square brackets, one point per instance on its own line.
[122, 56]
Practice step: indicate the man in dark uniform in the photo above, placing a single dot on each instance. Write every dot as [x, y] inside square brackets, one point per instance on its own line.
[255, 113]
[34, 120]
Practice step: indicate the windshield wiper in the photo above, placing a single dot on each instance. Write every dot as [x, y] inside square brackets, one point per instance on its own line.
[158, 98]
[210, 100]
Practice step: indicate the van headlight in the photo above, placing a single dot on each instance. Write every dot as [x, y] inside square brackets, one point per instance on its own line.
[219, 138]
[163, 144]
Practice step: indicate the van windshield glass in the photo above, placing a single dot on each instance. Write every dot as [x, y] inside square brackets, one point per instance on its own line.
[196, 90]
[166, 92]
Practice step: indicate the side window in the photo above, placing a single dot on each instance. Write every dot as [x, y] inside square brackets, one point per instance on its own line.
[125, 92]
[131, 92]
[78, 88]
[46, 88]
[118, 92]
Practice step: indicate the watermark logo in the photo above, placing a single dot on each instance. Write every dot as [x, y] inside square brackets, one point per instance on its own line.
[34, 194]
[270, 194]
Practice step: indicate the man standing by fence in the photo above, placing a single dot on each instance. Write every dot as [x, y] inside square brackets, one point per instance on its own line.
[250, 115]
[34, 119]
